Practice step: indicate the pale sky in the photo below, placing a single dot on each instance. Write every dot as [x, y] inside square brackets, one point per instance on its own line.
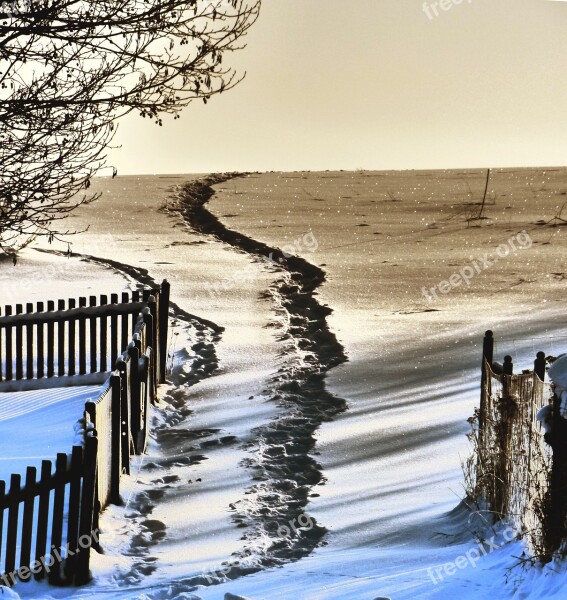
[377, 84]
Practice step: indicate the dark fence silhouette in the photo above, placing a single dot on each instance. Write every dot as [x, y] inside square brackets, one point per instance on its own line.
[50, 340]
[511, 467]
[44, 513]
[49, 524]
[120, 413]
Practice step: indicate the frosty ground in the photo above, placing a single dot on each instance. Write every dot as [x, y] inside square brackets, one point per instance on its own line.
[391, 461]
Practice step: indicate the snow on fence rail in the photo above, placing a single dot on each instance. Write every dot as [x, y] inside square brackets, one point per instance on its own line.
[513, 464]
[65, 504]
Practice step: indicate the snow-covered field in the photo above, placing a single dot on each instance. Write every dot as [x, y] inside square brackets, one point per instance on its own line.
[382, 476]
[34, 426]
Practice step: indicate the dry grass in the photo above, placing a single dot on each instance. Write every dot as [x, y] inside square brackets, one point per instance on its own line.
[510, 464]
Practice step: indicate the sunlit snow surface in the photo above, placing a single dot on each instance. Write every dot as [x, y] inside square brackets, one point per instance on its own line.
[37, 425]
[392, 461]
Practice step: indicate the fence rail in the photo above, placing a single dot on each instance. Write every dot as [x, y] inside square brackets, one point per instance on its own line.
[71, 337]
[64, 504]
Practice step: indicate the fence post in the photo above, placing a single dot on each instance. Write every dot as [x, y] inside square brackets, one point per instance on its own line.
[155, 341]
[86, 519]
[508, 366]
[507, 413]
[29, 345]
[163, 327]
[92, 336]
[82, 322]
[114, 349]
[73, 512]
[13, 517]
[125, 414]
[556, 529]
[43, 515]
[487, 356]
[90, 415]
[103, 350]
[90, 410]
[9, 347]
[151, 384]
[50, 342]
[27, 524]
[135, 398]
[149, 320]
[72, 325]
[488, 346]
[146, 385]
[61, 340]
[116, 442]
[57, 517]
[40, 343]
[19, 345]
[539, 365]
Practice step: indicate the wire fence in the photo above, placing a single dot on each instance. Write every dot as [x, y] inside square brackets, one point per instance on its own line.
[512, 465]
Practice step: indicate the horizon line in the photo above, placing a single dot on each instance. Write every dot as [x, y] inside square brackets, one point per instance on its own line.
[510, 169]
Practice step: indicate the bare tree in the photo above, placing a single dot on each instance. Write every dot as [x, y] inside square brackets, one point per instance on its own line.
[42, 170]
[70, 68]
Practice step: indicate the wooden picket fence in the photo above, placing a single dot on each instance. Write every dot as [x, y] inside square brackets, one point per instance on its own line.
[51, 349]
[70, 338]
[58, 506]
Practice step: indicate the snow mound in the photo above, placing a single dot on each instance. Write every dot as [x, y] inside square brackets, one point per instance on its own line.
[558, 371]
[558, 374]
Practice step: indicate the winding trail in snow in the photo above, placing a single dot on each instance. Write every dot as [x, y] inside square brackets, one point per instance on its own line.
[273, 512]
